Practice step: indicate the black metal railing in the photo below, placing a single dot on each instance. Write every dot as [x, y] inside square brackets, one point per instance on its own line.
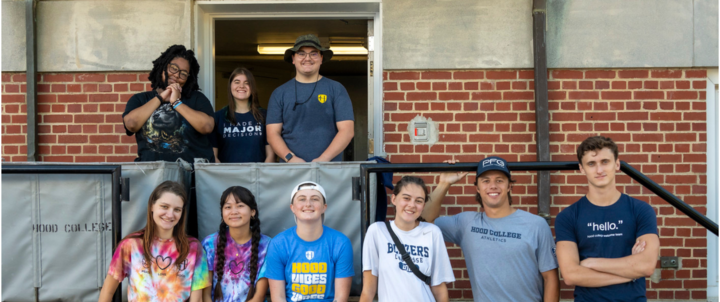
[113, 170]
[366, 169]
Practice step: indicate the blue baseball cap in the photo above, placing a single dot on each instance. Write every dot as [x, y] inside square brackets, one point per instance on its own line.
[493, 163]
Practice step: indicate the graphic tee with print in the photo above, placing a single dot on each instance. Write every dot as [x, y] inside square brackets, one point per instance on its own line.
[396, 282]
[309, 114]
[505, 256]
[161, 280]
[309, 269]
[243, 142]
[607, 232]
[236, 274]
[167, 135]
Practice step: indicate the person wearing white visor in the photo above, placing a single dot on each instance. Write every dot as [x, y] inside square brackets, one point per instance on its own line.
[310, 261]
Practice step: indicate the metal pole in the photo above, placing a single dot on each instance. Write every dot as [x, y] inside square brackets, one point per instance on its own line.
[669, 197]
[116, 221]
[542, 116]
[31, 79]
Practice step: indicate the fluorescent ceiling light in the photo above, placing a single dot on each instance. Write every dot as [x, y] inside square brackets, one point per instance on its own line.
[338, 50]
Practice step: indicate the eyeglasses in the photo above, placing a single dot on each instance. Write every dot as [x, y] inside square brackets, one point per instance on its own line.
[173, 69]
[313, 54]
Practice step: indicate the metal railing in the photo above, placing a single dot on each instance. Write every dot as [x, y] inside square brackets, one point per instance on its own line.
[366, 169]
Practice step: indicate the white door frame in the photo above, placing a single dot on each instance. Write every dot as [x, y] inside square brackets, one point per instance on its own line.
[207, 12]
[713, 181]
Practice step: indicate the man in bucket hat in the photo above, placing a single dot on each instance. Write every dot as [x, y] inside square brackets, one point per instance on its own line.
[510, 253]
[310, 118]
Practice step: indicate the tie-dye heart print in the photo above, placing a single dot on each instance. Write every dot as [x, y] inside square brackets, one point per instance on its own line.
[236, 273]
[161, 280]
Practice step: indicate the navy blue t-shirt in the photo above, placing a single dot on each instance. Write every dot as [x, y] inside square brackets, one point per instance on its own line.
[308, 121]
[607, 232]
[243, 142]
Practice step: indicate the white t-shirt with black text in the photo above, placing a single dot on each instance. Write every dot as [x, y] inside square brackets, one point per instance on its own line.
[396, 282]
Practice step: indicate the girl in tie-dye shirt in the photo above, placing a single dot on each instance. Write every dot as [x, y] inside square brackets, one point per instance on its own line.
[236, 253]
[162, 264]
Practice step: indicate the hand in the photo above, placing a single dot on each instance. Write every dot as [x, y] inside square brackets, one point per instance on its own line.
[588, 262]
[296, 159]
[320, 159]
[638, 247]
[176, 91]
[164, 95]
[452, 177]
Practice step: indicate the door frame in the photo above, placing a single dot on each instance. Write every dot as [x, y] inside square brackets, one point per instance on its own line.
[203, 41]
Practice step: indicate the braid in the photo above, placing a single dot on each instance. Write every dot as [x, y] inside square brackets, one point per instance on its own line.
[220, 260]
[255, 228]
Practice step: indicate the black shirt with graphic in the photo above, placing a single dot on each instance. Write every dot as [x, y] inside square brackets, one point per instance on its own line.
[242, 142]
[167, 135]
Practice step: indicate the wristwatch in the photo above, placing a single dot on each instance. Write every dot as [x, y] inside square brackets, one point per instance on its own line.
[289, 156]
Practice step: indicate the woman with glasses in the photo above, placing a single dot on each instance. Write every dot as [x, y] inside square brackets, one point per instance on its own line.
[171, 120]
[240, 135]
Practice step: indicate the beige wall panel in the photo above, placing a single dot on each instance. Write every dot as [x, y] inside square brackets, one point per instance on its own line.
[13, 35]
[108, 35]
[457, 34]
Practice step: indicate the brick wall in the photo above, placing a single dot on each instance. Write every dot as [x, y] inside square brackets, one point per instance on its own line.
[656, 116]
[79, 116]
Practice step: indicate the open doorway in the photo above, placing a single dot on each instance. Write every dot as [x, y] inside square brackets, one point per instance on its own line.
[236, 45]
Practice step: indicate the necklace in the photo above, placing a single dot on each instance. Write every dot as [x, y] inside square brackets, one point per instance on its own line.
[311, 93]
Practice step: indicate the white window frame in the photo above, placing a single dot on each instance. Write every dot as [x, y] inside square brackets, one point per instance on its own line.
[713, 181]
[207, 12]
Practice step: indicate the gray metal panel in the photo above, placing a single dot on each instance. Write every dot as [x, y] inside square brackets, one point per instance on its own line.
[706, 33]
[108, 35]
[436, 34]
[272, 184]
[17, 261]
[619, 33]
[72, 256]
[13, 35]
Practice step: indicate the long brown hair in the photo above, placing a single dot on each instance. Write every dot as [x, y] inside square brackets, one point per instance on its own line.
[240, 194]
[148, 232]
[252, 100]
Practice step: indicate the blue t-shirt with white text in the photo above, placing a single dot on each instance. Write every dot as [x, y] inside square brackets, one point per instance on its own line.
[607, 232]
[309, 113]
[242, 142]
[309, 269]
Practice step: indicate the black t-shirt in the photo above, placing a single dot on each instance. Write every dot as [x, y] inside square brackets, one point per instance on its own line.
[243, 142]
[166, 135]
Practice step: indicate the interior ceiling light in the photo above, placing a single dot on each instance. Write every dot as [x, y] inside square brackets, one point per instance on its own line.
[338, 50]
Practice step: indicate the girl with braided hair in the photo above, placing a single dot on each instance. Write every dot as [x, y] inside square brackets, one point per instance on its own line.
[171, 120]
[236, 253]
[161, 262]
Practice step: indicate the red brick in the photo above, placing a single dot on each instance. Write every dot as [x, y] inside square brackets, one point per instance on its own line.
[682, 95]
[556, 95]
[410, 75]
[518, 95]
[560, 116]
[72, 139]
[103, 97]
[57, 77]
[504, 85]
[696, 73]
[74, 88]
[619, 85]
[487, 95]
[105, 88]
[121, 87]
[667, 85]
[587, 85]
[13, 98]
[600, 74]
[420, 86]
[649, 95]
[501, 75]
[526, 74]
[421, 96]
[89, 118]
[90, 77]
[99, 139]
[602, 85]
[444, 96]
[666, 116]
[394, 96]
[471, 85]
[583, 95]
[471, 117]
[666, 73]
[436, 75]
[633, 74]
[566, 74]
[122, 77]
[468, 75]
[72, 98]
[502, 117]
[601, 116]
[616, 95]
[455, 86]
[140, 86]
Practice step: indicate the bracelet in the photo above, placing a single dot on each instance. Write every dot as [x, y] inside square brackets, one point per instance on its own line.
[177, 103]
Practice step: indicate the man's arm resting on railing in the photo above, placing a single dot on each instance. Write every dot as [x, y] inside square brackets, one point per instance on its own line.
[634, 266]
[432, 208]
[575, 274]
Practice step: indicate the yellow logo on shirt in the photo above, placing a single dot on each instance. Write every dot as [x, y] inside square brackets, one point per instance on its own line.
[322, 98]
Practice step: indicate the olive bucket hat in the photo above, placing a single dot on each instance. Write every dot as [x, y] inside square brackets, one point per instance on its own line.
[311, 41]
